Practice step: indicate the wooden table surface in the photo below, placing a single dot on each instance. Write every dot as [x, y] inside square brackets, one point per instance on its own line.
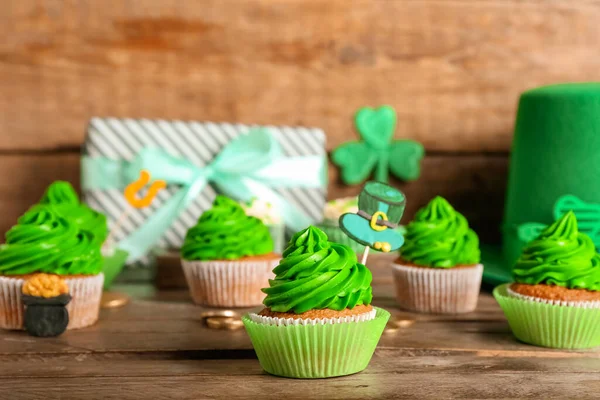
[157, 347]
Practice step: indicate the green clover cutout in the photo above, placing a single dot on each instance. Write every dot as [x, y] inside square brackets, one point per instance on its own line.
[529, 231]
[377, 150]
[588, 219]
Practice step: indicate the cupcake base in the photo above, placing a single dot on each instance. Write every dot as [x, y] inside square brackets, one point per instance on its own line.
[84, 308]
[317, 314]
[554, 294]
[229, 283]
[547, 323]
[316, 348]
[437, 290]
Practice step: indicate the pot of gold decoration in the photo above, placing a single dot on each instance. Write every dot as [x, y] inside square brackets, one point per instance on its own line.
[45, 298]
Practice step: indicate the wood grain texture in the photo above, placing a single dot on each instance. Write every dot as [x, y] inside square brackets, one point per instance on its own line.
[410, 384]
[473, 184]
[168, 321]
[176, 325]
[157, 348]
[452, 69]
[23, 179]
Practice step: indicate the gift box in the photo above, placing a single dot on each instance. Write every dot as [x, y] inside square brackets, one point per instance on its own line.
[284, 166]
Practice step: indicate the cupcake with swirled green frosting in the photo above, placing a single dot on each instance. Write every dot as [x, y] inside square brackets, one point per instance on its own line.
[318, 320]
[438, 270]
[43, 241]
[227, 257]
[555, 299]
[63, 198]
[317, 278]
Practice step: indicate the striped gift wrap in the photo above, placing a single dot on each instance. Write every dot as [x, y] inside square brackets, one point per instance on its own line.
[198, 142]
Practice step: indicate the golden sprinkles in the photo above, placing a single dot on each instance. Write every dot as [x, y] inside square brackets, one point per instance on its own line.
[45, 285]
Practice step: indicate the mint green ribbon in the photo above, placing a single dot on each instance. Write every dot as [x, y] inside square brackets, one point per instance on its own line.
[250, 166]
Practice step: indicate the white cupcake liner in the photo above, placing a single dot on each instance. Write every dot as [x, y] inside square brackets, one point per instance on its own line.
[260, 319]
[228, 283]
[578, 304]
[437, 290]
[83, 308]
[86, 293]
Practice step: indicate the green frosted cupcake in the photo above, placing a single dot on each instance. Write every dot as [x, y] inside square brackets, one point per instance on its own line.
[438, 270]
[43, 241]
[318, 321]
[227, 257]
[62, 197]
[555, 300]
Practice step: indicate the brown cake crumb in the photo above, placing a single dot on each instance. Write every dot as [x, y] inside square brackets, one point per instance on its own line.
[401, 261]
[553, 292]
[314, 314]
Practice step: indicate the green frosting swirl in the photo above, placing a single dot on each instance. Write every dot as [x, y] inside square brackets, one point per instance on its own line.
[43, 241]
[440, 237]
[317, 274]
[562, 256]
[225, 232]
[64, 199]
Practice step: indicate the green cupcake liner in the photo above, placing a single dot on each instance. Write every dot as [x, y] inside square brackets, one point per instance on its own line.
[336, 234]
[316, 351]
[548, 325]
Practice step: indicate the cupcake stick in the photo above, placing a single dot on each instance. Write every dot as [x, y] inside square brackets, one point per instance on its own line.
[115, 299]
[115, 228]
[365, 255]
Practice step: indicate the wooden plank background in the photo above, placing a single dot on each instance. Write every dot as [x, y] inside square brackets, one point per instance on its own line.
[452, 69]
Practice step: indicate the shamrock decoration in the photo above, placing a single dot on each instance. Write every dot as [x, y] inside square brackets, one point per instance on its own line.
[378, 150]
[588, 217]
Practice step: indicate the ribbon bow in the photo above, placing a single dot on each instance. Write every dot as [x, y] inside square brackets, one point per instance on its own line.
[249, 166]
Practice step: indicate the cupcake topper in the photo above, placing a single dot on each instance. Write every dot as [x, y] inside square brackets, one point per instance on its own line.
[378, 150]
[130, 194]
[374, 225]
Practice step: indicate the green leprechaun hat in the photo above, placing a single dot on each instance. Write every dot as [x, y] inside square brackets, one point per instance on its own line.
[554, 168]
[380, 208]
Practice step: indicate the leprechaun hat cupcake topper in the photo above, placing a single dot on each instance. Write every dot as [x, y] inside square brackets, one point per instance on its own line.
[380, 208]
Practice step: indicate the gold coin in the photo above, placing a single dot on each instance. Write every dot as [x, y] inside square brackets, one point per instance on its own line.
[114, 300]
[219, 314]
[230, 324]
[402, 323]
[390, 328]
[397, 324]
